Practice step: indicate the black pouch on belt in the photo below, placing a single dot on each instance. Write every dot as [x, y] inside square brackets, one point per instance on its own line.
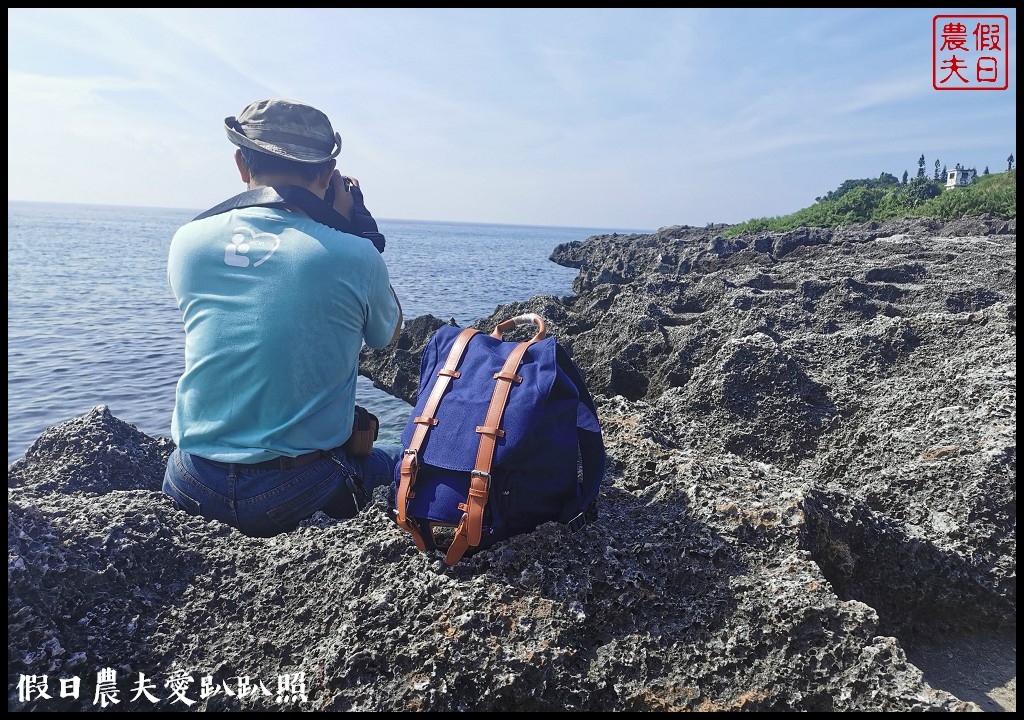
[364, 432]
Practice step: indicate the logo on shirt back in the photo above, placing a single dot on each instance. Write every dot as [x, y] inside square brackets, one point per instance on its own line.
[261, 244]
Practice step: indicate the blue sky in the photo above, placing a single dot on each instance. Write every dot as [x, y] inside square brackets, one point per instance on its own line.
[596, 118]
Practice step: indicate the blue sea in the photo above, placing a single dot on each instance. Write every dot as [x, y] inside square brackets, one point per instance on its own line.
[91, 319]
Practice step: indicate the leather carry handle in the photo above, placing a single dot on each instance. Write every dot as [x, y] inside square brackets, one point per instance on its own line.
[526, 319]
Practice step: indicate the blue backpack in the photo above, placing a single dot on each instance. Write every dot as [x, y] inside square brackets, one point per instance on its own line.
[504, 437]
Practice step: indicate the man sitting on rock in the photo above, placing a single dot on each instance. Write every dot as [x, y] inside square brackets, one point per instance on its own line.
[276, 306]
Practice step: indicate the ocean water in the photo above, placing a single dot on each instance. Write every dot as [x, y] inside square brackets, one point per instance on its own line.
[91, 319]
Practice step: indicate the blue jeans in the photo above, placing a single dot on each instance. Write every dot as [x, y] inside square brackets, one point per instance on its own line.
[267, 502]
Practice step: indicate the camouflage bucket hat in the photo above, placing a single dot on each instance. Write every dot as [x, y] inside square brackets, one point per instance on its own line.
[285, 128]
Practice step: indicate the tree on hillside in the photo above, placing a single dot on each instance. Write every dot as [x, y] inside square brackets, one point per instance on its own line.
[1009, 162]
[920, 165]
[905, 176]
[945, 172]
[937, 176]
[921, 190]
[986, 170]
[883, 181]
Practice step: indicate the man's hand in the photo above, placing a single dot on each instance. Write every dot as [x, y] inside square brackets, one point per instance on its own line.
[344, 201]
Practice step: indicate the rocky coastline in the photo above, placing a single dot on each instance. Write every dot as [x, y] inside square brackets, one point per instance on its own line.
[811, 490]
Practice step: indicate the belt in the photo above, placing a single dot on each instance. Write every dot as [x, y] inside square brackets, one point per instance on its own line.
[279, 463]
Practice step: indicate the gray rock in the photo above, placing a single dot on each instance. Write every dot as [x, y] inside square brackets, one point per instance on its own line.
[812, 468]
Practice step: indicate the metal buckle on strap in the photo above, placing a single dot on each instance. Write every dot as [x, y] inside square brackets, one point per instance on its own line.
[484, 475]
[410, 452]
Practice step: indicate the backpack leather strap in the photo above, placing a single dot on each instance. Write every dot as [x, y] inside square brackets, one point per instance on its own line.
[471, 526]
[410, 459]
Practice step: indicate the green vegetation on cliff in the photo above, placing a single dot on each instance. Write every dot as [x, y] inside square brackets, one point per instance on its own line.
[886, 198]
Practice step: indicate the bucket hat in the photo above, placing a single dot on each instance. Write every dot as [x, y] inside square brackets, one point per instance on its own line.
[286, 128]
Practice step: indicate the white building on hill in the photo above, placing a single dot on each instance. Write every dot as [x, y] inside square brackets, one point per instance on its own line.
[959, 177]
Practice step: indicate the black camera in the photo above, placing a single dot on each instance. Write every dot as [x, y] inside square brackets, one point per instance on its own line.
[365, 427]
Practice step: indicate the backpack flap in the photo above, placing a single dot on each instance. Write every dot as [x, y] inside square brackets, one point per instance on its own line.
[452, 444]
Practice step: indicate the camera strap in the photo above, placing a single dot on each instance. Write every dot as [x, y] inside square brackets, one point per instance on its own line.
[306, 201]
